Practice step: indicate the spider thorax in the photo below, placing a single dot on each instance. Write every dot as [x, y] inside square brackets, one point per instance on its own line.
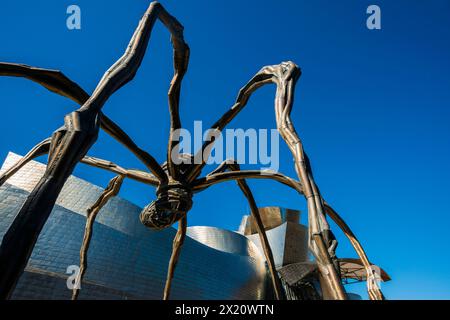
[173, 201]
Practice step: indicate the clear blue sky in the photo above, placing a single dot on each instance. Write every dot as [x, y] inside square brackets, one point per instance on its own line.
[372, 108]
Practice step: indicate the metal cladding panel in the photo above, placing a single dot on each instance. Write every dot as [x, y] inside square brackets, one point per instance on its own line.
[224, 240]
[295, 272]
[296, 244]
[289, 243]
[271, 217]
[277, 238]
[125, 260]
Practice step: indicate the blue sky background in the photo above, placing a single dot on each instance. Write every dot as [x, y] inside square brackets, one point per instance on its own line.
[372, 108]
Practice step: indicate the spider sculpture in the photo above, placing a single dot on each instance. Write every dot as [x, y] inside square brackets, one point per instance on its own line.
[175, 183]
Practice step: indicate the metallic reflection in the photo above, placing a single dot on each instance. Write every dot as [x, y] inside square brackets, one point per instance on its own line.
[126, 260]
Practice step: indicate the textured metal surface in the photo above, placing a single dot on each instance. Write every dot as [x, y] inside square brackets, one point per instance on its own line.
[225, 240]
[289, 243]
[127, 260]
[295, 272]
[271, 217]
[354, 269]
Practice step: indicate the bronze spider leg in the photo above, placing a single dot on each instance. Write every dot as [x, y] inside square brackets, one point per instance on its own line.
[322, 244]
[202, 184]
[212, 179]
[180, 62]
[57, 82]
[111, 191]
[43, 148]
[234, 166]
[19, 240]
[373, 289]
[176, 250]
[70, 145]
[38, 150]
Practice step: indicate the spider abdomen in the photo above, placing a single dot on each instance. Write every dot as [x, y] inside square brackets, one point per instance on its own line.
[172, 203]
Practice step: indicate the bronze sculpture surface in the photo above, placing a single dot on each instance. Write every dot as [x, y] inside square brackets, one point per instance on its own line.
[175, 183]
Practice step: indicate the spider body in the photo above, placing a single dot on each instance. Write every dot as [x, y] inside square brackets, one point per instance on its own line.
[173, 202]
[173, 196]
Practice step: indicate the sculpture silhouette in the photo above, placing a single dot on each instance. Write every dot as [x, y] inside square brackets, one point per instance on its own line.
[176, 183]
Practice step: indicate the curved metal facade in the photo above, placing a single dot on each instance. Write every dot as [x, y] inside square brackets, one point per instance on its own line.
[126, 260]
[225, 240]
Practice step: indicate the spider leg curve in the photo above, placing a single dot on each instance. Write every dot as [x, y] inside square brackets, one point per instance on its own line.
[176, 249]
[118, 75]
[321, 242]
[57, 82]
[69, 146]
[111, 191]
[43, 148]
[38, 150]
[373, 289]
[234, 167]
[217, 177]
[213, 178]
